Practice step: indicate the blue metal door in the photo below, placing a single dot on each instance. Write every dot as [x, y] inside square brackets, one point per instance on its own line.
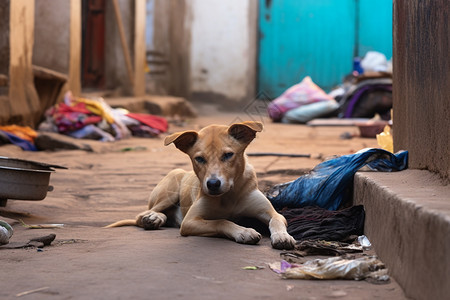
[317, 38]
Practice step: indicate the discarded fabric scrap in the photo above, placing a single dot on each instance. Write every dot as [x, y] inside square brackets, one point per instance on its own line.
[20, 136]
[320, 247]
[315, 223]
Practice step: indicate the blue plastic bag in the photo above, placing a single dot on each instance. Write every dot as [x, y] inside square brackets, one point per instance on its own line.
[328, 184]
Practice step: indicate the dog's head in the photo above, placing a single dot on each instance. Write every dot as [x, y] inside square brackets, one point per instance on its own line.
[217, 153]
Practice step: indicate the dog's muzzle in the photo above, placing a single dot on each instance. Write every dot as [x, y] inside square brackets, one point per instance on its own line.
[213, 186]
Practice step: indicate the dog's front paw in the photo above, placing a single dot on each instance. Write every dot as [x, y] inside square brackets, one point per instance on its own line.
[282, 241]
[247, 236]
[153, 220]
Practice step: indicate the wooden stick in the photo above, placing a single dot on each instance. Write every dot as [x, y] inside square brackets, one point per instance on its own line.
[278, 154]
[126, 52]
[32, 291]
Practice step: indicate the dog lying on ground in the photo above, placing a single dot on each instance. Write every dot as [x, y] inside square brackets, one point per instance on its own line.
[221, 188]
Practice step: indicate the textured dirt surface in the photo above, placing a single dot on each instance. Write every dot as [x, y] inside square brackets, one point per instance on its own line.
[88, 262]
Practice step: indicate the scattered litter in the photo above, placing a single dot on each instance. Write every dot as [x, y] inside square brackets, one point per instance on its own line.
[364, 242]
[41, 226]
[32, 291]
[385, 139]
[6, 232]
[253, 268]
[39, 242]
[46, 240]
[347, 135]
[138, 148]
[334, 268]
[320, 247]
[374, 61]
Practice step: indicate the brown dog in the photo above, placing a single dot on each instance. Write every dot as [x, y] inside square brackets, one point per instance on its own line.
[222, 187]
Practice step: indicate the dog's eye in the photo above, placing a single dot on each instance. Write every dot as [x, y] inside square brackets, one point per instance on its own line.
[227, 156]
[200, 160]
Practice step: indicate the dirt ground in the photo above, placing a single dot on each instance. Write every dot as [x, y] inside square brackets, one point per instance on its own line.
[88, 262]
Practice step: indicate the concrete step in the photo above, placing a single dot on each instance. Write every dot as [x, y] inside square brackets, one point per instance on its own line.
[408, 223]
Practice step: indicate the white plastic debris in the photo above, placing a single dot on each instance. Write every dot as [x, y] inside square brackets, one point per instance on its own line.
[6, 232]
[364, 242]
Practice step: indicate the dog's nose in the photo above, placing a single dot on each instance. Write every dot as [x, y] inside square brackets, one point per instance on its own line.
[213, 185]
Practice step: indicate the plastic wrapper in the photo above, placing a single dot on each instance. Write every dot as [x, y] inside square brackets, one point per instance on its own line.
[385, 139]
[374, 61]
[334, 268]
[6, 232]
[328, 184]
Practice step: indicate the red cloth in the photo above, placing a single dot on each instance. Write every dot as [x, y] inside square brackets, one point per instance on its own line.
[154, 122]
[70, 118]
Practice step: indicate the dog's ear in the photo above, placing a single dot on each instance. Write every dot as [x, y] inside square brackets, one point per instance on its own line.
[182, 140]
[245, 132]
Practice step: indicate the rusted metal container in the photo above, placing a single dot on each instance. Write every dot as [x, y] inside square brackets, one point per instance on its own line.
[24, 179]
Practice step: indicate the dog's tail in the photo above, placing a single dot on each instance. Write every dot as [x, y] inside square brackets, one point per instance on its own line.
[129, 222]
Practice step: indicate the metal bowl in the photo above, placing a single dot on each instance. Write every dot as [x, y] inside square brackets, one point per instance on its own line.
[24, 180]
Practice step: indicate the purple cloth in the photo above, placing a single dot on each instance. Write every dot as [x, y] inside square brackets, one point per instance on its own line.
[357, 95]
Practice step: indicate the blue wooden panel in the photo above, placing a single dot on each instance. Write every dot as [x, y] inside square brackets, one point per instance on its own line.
[301, 38]
[375, 27]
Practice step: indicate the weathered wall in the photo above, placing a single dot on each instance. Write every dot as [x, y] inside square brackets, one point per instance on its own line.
[4, 60]
[57, 43]
[167, 47]
[24, 106]
[180, 48]
[422, 83]
[157, 46]
[223, 48]
[139, 47]
[115, 64]
[52, 32]
[4, 51]
[74, 83]
[202, 49]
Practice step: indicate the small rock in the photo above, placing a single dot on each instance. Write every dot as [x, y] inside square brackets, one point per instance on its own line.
[45, 240]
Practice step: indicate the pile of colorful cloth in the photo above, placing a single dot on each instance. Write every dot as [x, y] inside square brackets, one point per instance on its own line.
[18, 135]
[85, 118]
[95, 119]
